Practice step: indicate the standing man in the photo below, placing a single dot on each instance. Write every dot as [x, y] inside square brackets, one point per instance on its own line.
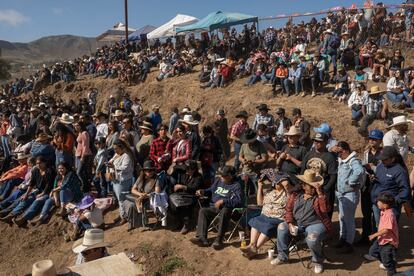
[221, 129]
[282, 126]
[304, 128]
[155, 118]
[263, 117]
[237, 130]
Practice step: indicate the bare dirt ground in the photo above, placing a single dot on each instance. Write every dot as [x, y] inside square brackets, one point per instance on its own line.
[167, 252]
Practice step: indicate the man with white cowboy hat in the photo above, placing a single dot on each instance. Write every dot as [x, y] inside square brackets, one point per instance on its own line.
[143, 146]
[191, 126]
[306, 213]
[397, 136]
[330, 46]
[44, 268]
[91, 247]
[374, 107]
[118, 115]
[292, 153]
[295, 73]
[66, 119]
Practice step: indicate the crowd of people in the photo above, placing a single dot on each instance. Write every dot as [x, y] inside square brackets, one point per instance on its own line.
[73, 161]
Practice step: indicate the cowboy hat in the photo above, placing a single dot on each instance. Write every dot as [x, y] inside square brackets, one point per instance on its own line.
[118, 113]
[86, 202]
[188, 119]
[21, 156]
[66, 119]
[344, 33]
[293, 131]
[400, 120]
[375, 90]
[311, 178]
[32, 109]
[44, 268]
[2, 101]
[146, 125]
[155, 106]
[93, 238]
[263, 107]
[242, 114]
[43, 137]
[249, 136]
[148, 166]
[328, 31]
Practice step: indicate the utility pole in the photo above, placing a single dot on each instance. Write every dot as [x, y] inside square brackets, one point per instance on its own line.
[126, 21]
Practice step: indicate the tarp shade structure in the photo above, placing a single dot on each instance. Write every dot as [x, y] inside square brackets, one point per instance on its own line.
[217, 20]
[167, 30]
[138, 34]
[115, 34]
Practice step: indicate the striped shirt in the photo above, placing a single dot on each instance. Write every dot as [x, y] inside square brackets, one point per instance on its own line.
[373, 106]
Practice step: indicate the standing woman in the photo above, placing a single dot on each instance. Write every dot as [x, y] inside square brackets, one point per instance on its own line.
[113, 135]
[121, 171]
[64, 141]
[83, 155]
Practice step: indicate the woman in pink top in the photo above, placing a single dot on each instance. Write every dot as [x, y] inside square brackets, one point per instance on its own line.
[83, 155]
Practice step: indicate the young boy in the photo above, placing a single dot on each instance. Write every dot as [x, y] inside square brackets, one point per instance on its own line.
[100, 168]
[384, 248]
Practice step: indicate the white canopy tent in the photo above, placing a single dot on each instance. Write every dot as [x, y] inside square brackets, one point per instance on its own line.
[168, 29]
[117, 33]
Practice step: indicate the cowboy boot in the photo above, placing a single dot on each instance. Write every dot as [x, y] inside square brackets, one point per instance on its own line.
[20, 222]
[36, 222]
[8, 218]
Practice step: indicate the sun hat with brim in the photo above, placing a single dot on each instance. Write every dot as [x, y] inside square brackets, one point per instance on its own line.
[328, 31]
[188, 119]
[242, 114]
[263, 107]
[44, 268]
[388, 152]
[66, 119]
[249, 136]
[43, 137]
[293, 131]
[344, 33]
[118, 113]
[311, 178]
[146, 125]
[86, 202]
[21, 156]
[375, 90]
[93, 238]
[400, 120]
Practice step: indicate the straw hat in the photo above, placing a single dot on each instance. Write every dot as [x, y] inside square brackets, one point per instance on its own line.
[118, 113]
[328, 31]
[32, 109]
[188, 119]
[311, 178]
[147, 126]
[44, 268]
[400, 120]
[66, 119]
[21, 156]
[43, 137]
[375, 90]
[293, 131]
[93, 238]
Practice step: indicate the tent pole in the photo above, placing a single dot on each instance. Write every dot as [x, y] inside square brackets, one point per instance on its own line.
[257, 26]
[126, 21]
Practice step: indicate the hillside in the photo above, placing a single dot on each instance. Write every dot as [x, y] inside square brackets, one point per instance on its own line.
[47, 49]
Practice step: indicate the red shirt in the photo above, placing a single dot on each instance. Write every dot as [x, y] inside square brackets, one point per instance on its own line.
[238, 129]
[4, 127]
[388, 221]
[157, 149]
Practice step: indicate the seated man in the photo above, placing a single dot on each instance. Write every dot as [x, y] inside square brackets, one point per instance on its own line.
[13, 177]
[226, 194]
[306, 213]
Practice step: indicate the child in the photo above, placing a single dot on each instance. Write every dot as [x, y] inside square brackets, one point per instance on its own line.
[100, 168]
[384, 248]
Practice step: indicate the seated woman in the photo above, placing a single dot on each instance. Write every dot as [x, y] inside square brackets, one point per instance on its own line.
[396, 89]
[182, 198]
[66, 189]
[341, 80]
[264, 227]
[306, 213]
[147, 183]
[380, 63]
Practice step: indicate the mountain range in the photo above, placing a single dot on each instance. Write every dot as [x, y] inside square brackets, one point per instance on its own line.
[47, 49]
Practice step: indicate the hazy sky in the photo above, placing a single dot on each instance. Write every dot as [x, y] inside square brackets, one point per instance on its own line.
[27, 20]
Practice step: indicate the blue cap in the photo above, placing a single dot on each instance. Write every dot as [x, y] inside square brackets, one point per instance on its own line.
[323, 128]
[376, 134]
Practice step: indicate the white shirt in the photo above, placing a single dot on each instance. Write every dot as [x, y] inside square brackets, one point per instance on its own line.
[401, 142]
[124, 168]
[356, 98]
[101, 130]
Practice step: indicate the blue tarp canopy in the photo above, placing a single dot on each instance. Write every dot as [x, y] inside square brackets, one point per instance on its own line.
[138, 34]
[217, 20]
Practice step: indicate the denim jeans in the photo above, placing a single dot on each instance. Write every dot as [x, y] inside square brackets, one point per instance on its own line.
[8, 186]
[237, 147]
[24, 204]
[84, 171]
[47, 207]
[101, 185]
[253, 79]
[287, 83]
[121, 189]
[356, 115]
[397, 98]
[6, 146]
[63, 156]
[386, 255]
[14, 196]
[83, 225]
[35, 207]
[314, 235]
[347, 204]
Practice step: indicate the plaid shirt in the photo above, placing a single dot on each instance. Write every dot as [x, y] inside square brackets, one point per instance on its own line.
[238, 128]
[157, 149]
[373, 106]
[267, 120]
[269, 36]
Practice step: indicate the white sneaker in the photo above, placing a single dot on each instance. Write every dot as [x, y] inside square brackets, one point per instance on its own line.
[318, 268]
[164, 221]
[277, 261]
[381, 266]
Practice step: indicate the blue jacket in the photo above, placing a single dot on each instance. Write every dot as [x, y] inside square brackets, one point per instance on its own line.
[350, 174]
[393, 180]
[230, 193]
